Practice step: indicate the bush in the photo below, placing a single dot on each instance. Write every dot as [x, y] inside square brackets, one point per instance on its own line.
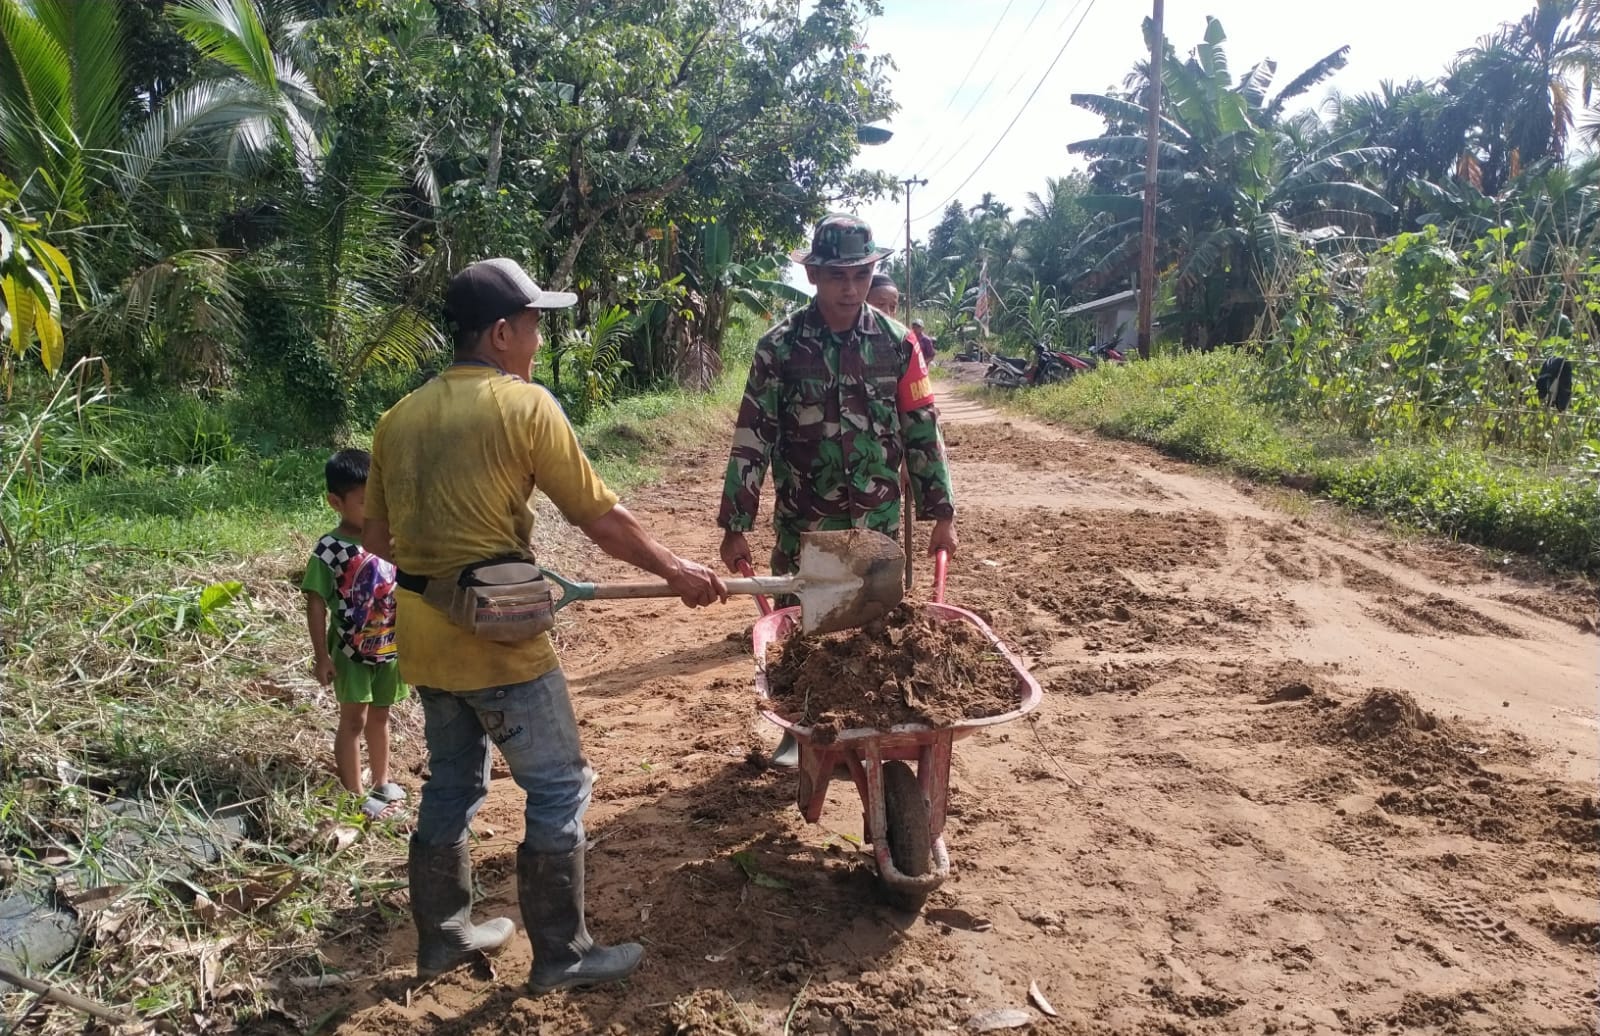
[1461, 493]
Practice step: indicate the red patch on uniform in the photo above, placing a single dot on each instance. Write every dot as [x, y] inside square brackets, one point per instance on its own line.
[916, 388]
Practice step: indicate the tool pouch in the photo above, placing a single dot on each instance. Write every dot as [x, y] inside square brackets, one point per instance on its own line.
[506, 600]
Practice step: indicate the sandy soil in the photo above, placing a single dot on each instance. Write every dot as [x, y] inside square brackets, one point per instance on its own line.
[1290, 776]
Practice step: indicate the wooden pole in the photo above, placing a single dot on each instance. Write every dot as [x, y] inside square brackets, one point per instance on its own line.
[909, 183]
[1147, 241]
[905, 473]
[72, 1000]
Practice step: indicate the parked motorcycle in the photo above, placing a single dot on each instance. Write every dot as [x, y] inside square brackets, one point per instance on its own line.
[1107, 353]
[1047, 366]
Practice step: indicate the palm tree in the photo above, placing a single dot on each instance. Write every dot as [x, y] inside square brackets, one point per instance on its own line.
[77, 143]
[66, 106]
[990, 207]
[1546, 216]
[1518, 87]
[1423, 130]
[1050, 226]
[1239, 194]
[158, 183]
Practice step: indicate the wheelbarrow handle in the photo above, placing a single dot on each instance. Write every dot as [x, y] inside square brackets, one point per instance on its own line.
[573, 590]
[941, 564]
[761, 601]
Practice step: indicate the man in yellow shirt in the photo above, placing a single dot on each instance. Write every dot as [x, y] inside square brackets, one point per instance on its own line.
[453, 467]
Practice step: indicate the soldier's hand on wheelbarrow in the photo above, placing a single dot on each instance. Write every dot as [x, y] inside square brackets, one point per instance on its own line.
[696, 584]
[943, 538]
[736, 549]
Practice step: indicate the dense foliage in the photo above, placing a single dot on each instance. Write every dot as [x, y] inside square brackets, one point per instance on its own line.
[276, 189]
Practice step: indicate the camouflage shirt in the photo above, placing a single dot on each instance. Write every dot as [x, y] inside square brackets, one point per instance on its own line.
[822, 408]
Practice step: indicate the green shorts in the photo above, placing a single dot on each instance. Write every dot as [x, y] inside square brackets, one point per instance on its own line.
[355, 683]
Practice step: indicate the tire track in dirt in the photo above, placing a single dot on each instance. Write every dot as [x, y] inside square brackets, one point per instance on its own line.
[1189, 837]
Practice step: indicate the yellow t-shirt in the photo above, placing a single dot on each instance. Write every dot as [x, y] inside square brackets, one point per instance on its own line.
[453, 467]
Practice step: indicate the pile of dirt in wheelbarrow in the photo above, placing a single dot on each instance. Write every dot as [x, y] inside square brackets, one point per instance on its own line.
[903, 668]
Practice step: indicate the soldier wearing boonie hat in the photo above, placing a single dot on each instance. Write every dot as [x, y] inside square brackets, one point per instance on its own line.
[838, 396]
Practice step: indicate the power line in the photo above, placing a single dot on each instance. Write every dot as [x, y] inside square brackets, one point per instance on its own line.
[1037, 87]
[1021, 75]
[951, 103]
[967, 115]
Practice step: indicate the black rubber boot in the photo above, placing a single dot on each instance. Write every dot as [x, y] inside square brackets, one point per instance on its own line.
[550, 886]
[441, 906]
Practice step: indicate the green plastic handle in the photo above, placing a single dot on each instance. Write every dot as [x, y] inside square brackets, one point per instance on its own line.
[571, 592]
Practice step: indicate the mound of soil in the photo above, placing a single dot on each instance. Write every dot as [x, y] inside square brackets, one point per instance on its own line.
[1434, 768]
[903, 668]
[1384, 713]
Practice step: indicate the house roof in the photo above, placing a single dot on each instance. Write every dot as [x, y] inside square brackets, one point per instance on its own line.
[1108, 302]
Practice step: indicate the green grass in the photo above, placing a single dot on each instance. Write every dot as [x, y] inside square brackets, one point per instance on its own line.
[1209, 408]
[622, 439]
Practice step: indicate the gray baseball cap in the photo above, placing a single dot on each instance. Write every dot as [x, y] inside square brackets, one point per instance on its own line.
[494, 289]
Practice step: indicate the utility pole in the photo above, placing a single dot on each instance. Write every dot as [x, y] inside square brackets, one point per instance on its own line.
[909, 183]
[905, 473]
[1147, 243]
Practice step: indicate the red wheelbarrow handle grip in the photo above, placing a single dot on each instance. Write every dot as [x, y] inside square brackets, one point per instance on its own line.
[761, 602]
[941, 563]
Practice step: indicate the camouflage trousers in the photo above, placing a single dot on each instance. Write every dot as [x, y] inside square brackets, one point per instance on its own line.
[786, 553]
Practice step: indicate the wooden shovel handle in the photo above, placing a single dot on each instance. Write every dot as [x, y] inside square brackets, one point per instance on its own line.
[941, 565]
[749, 573]
[756, 585]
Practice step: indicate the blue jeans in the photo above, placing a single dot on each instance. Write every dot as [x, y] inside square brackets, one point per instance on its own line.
[537, 734]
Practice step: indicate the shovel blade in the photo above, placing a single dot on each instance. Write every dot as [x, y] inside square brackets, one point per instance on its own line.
[848, 578]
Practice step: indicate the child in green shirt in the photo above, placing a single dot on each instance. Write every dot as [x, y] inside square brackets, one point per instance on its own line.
[350, 614]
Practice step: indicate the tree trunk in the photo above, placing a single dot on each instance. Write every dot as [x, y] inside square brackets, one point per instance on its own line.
[491, 178]
[562, 274]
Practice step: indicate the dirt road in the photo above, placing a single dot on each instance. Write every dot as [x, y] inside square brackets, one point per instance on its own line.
[1216, 825]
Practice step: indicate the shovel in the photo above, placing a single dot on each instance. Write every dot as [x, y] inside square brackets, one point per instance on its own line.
[846, 579]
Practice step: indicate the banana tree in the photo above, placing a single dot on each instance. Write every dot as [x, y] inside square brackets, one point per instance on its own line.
[716, 284]
[1238, 193]
[955, 301]
[33, 273]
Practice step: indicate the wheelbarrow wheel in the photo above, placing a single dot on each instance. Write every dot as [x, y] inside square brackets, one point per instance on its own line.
[910, 843]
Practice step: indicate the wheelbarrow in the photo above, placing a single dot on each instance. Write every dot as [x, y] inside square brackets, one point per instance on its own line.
[903, 810]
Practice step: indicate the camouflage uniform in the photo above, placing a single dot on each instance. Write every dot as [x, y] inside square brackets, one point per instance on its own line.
[822, 409]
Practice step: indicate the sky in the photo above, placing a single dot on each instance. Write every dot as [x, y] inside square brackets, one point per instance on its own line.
[942, 133]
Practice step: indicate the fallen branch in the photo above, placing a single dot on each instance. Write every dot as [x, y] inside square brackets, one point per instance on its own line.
[61, 996]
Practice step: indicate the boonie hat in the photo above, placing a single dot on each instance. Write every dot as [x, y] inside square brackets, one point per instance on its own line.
[493, 289]
[841, 240]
